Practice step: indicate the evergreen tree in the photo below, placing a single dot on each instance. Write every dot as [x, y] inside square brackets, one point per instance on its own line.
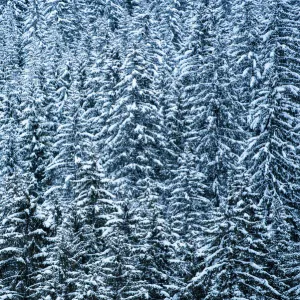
[135, 141]
[188, 208]
[244, 50]
[64, 15]
[121, 277]
[213, 130]
[235, 261]
[271, 154]
[94, 206]
[149, 149]
[23, 247]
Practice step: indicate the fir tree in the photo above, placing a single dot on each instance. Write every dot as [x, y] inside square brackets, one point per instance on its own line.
[235, 260]
[271, 154]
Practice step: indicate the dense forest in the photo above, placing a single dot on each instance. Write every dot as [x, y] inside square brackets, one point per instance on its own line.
[149, 149]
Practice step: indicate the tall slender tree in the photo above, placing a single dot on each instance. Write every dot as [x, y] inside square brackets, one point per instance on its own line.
[271, 153]
[235, 260]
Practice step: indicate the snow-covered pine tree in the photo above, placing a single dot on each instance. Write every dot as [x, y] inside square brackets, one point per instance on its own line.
[23, 247]
[101, 90]
[211, 128]
[24, 227]
[205, 73]
[167, 35]
[94, 207]
[92, 200]
[9, 145]
[66, 258]
[156, 254]
[64, 15]
[34, 141]
[63, 165]
[134, 142]
[56, 91]
[33, 156]
[187, 208]
[10, 92]
[11, 180]
[234, 261]
[244, 51]
[80, 247]
[271, 154]
[118, 260]
[169, 16]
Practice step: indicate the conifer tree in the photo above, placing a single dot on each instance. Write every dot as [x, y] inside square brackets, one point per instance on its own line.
[149, 149]
[235, 262]
[187, 208]
[64, 15]
[244, 50]
[118, 259]
[213, 132]
[135, 141]
[23, 247]
[271, 154]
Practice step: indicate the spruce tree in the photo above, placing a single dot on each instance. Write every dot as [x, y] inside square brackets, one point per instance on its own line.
[235, 260]
[271, 154]
[135, 141]
[214, 133]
